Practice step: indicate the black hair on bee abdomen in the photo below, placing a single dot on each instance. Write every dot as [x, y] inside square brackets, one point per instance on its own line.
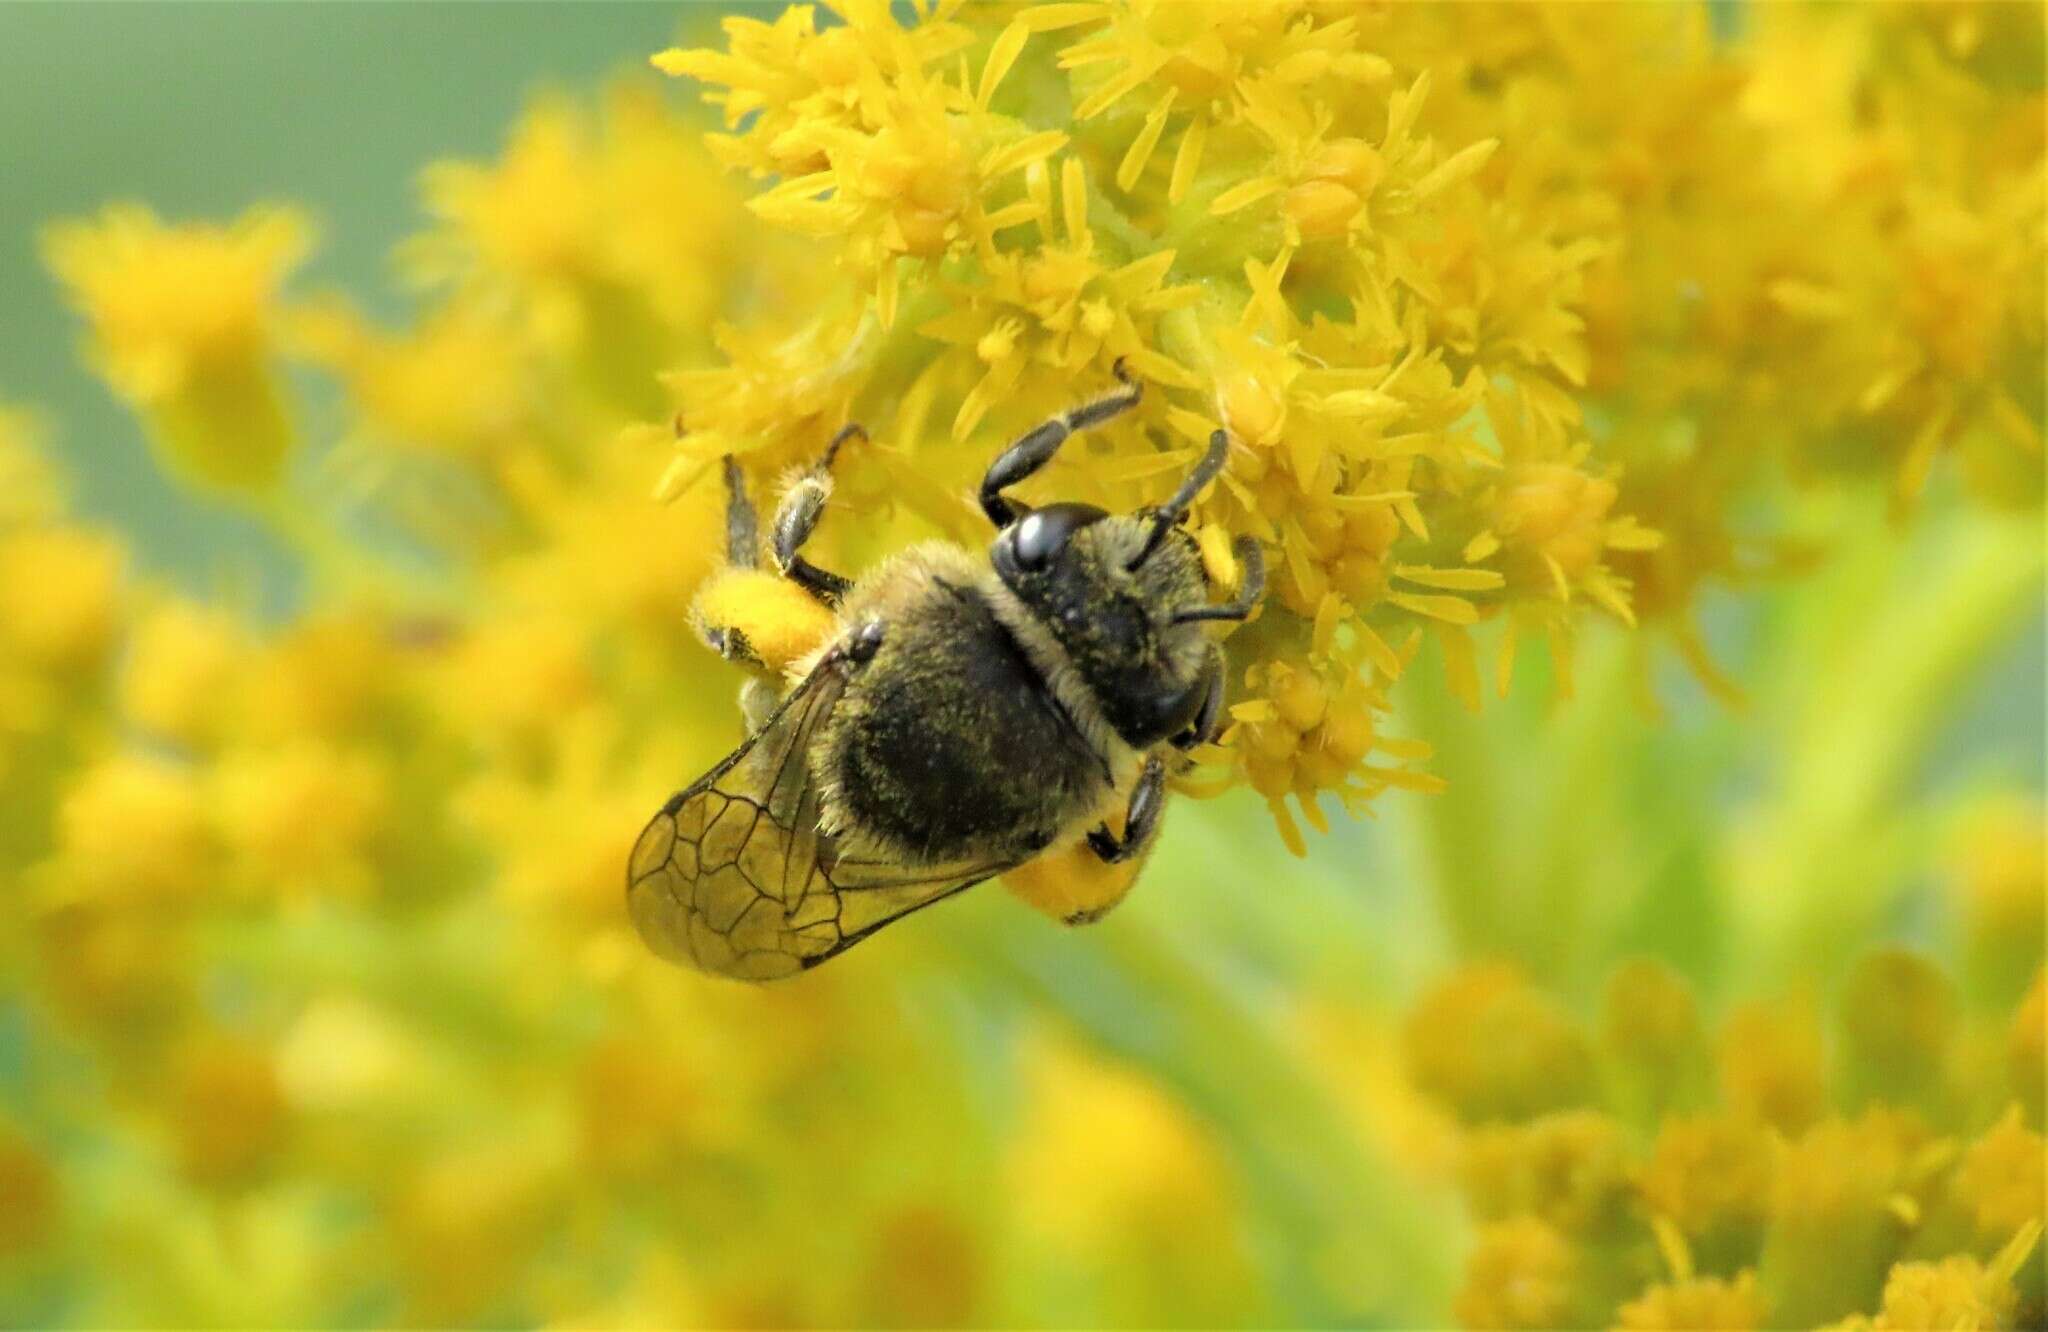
[949, 743]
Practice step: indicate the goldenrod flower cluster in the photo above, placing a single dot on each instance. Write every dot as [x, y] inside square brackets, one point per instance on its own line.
[314, 950]
[1654, 1169]
[1507, 310]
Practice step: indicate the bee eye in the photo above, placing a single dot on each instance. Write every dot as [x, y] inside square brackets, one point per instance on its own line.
[1043, 533]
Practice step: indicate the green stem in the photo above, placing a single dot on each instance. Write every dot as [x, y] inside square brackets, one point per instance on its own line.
[1819, 874]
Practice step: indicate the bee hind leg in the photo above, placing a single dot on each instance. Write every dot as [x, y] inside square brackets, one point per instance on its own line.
[803, 504]
[742, 528]
[757, 703]
[1141, 819]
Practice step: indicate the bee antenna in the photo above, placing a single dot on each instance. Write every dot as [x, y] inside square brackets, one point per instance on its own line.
[1176, 508]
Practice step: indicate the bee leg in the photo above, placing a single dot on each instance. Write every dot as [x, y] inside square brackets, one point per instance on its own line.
[1035, 448]
[1249, 592]
[1208, 722]
[742, 551]
[757, 703]
[742, 529]
[1141, 820]
[797, 517]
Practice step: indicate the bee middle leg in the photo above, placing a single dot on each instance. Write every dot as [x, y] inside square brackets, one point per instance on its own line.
[1208, 722]
[1141, 819]
[797, 517]
[1035, 448]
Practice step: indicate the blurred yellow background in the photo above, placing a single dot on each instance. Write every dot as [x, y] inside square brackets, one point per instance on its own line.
[1678, 967]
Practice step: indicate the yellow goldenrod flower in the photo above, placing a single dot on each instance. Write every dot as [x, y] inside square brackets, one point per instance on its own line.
[60, 594]
[925, 1269]
[2027, 1050]
[1835, 1222]
[1710, 1176]
[1100, 1158]
[134, 831]
[455, 384]
[1569, 1169]
[1953, 1293]
[1651, 1033]
[183, 666]
[510, 682]
[301, 818]
[1491, 1045]
[2002, 866]
[181, 321]
[114, 969]
[324, 677]
[1520, 1275]
[1770, 1058]
[227, 1114]
[1699, 1304]
[1900, 1023]
[1722, 1218]
[34, 1193]
[456, 1222]
[1242, 205]
[30, 491]
[2002, 1178]
[607, 232]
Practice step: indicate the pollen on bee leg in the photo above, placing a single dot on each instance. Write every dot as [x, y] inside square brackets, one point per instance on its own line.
[779, 620]
[1075, 886]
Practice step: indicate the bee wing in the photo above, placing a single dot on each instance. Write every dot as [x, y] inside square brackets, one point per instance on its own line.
[733, 877]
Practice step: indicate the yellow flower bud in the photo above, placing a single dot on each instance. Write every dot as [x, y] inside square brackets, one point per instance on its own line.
[1520, 1275]
[2026, 1050]
[179, 679]
[1710, 1175]
[33, 1191]
[1899, 1022]
[1348, 736]
[2003, 1178]
[134, 829]
[301, 816]
[1300, 697]
[1697, 1304]
[1555, 511]
[1955, 1292]
[181, 319]
[228, 1115]
[1321, 209]
[1252, 409]
[1570, 1169]
[60, 593]
[1770, 1056]
[1491, 1045]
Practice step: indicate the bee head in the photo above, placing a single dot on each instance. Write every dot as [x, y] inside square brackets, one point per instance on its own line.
[1113, 591]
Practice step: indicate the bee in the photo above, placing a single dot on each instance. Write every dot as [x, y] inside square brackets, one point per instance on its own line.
[965, 715]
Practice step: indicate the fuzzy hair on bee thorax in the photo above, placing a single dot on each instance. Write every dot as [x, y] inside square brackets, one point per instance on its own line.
[953, 740]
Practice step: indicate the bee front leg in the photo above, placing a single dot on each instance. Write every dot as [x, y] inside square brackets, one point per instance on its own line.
[797, 517]
[1141, 818]
[1035, 448]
